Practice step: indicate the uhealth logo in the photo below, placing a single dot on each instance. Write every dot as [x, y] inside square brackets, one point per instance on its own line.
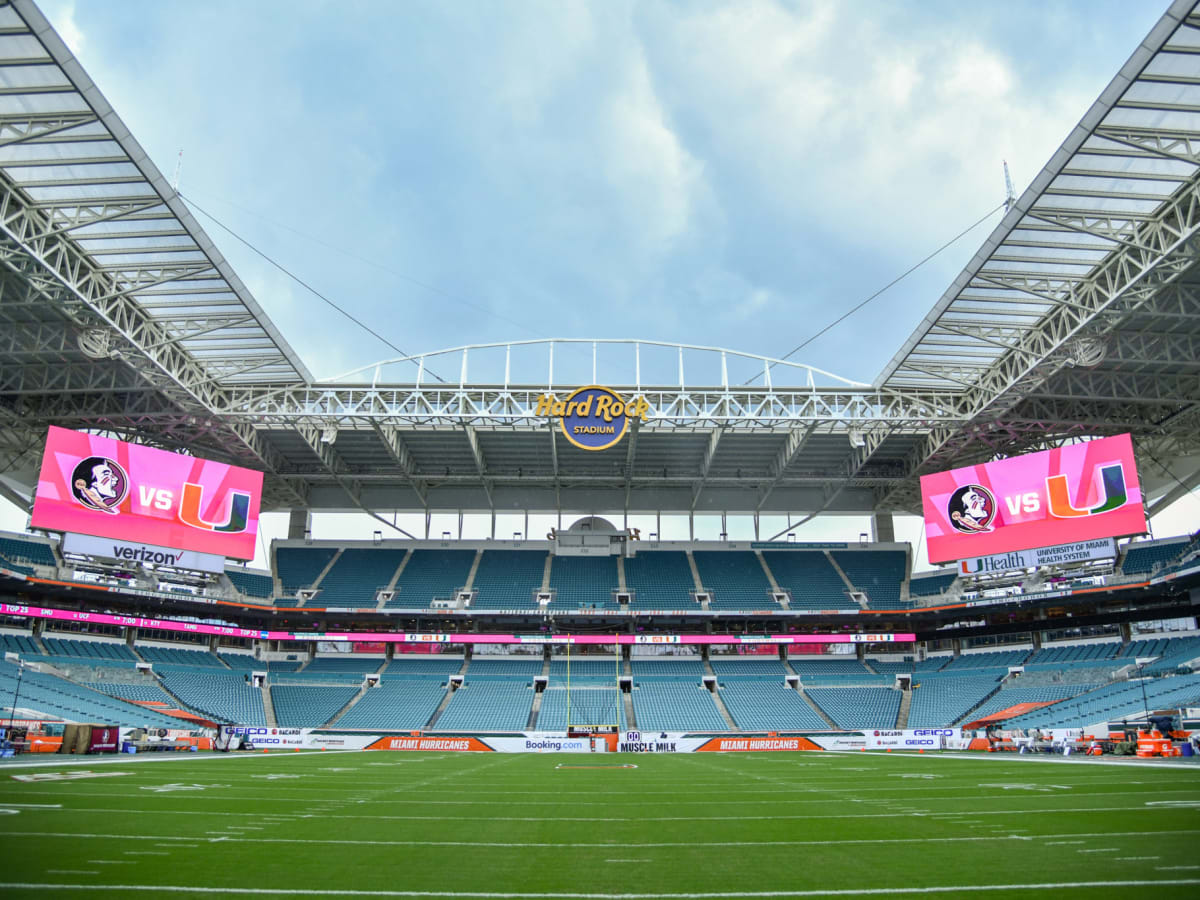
[100, 483]
[593, 417]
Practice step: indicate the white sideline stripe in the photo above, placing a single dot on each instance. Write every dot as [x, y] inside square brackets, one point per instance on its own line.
[518, 895]
[72, 871]
[148, 758]
[248, 839]
[1007, 756]
[879, 814]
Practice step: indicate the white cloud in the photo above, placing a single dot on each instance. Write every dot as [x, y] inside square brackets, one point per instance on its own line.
[62, 17]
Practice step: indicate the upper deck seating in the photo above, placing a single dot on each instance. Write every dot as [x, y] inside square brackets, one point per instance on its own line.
[358, 574]
[1142, 557]
[735, 578]
[508, 579]
[931, 585]
[810, 578]
[582, 582]
[300, 567]
[660, 579]
[877, 573]
[252, 584]
[430, 575]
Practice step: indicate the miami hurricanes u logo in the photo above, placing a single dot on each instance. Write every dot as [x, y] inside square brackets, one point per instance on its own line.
[1112, 479]
[193, 500]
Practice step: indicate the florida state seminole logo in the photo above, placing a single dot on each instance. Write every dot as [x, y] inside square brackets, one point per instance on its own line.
[100, 483]
[971, 509]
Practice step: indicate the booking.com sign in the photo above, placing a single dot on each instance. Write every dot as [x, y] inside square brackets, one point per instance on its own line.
[593, 417]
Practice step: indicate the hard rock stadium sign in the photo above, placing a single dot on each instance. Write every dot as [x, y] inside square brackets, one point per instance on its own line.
[593, 417]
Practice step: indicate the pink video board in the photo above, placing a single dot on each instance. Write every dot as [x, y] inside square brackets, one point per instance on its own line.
[112, 489]
[1074, 493]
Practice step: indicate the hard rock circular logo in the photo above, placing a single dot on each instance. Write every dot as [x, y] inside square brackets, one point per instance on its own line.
[100, 483]
[971, 509]
[593, 417]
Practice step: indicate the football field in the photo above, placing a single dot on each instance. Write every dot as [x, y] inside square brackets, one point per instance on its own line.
[382, 824]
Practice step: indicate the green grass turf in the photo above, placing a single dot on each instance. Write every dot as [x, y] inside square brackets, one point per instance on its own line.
[491, 824]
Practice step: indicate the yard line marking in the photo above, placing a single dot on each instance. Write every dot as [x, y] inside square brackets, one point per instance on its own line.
[519, 895]
[72, 871]
[1173, 868]
[111, 862]
[1130, 858]
[228, 795]
[146, 853]
[1100, 850]
[32, 805]
[877, 814]
[254, 839]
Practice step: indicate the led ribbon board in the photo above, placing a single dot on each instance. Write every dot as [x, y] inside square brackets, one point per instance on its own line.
[1062, 496]
[593, 417]
[129, 492]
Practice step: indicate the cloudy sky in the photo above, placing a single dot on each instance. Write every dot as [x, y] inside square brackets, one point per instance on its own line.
[726, 174]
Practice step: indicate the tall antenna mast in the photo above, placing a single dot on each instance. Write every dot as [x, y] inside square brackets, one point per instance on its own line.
[1010, 196]
[179, 165]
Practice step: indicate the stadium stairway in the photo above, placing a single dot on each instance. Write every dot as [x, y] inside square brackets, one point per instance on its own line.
[721, 708]
[469, 585]
[534, 709]
[905, 706]
[381, 602]
[691, 561]
[627, 701]
[966, 717]
[850, 588]
[833, 726]
[437, 713]
[179, 704]
[362, 692]
[316, 585]
[268, 705]
[716, 695]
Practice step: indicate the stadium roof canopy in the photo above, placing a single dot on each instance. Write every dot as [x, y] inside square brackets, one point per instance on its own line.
[1079, 316]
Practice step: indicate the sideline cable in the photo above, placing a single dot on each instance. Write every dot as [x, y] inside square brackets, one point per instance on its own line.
[300, 281]
[890, 284]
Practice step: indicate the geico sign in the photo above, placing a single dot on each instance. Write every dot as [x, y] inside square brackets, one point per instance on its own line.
[936, 732]
[919, 742]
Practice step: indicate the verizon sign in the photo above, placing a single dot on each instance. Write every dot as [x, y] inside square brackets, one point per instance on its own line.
[1083, 551]
[142, 554]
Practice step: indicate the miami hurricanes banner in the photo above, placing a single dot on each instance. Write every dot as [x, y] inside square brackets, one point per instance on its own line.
[1069, 494]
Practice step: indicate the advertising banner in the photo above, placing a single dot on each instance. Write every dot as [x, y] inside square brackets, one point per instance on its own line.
[103, 739]
[107, 548]
[1083, 551]
[912, 738]
[108, 488]
[1069, 494]
[456, 744]
[263, 737]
